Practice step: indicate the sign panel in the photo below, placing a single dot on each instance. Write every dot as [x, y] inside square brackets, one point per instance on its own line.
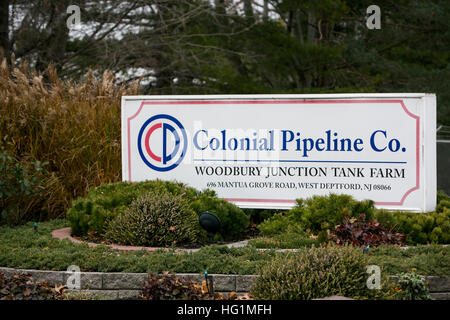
[265, 151]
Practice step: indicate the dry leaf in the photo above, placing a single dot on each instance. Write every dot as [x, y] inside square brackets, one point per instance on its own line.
[232, 296]
[60, 289]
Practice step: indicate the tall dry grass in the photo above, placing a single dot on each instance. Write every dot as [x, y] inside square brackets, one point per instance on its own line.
[74, 125]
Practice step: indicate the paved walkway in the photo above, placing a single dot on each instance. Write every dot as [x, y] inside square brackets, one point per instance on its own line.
[64, 233]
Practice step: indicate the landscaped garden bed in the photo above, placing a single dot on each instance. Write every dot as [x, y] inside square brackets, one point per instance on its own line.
[329, 238]
[23, 247]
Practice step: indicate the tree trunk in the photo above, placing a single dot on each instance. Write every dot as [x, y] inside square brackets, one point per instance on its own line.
[311, 27]
[298, 27]
[248, 9]
[266, 9]
[57, 40]
[4, 27]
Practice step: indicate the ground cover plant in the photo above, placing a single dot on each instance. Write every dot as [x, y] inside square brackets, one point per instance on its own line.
[22, 247]
[284, 241]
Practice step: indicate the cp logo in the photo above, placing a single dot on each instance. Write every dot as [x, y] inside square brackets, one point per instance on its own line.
[162, 142]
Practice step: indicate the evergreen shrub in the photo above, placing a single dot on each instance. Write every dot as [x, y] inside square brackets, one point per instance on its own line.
[317, 273]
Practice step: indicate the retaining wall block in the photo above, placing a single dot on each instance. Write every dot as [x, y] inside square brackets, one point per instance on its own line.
[52, 277]
[111, 294]
[119, 280]
[128, 294]
[224, 282]
[198, 278]
[88, 280]
[438, 284]
[440, 295]
[245, 282]
[8, 271]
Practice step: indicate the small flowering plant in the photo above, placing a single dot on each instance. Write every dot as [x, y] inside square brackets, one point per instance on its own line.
[412, 286]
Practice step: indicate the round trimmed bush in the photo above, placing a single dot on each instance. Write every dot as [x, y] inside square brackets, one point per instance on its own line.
[317, 273]
[155, 219]
[90, 215]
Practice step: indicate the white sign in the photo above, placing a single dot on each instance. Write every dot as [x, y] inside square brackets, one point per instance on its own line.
[265, 151]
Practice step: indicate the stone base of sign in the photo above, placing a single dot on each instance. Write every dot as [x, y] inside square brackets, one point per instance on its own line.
[121, 285]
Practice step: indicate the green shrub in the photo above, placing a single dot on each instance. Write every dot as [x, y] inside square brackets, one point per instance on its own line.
[419, 228]
[441, 195]
[257, 216]
[325, 212]
[280, 223]
[233, 219]
[169, 287]
[21, 187]
[317, 273]
[155, 219]
[411, 286]
[103, 204]
[317, 214]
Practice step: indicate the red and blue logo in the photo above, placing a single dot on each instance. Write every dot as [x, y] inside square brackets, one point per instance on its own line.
[162, 142]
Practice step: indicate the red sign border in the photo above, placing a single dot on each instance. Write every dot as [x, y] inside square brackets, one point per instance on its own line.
[189, 102]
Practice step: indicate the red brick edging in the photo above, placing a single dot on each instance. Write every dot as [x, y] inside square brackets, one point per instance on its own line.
[64, 233]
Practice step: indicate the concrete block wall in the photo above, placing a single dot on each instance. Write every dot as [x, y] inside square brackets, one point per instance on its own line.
[120, 285]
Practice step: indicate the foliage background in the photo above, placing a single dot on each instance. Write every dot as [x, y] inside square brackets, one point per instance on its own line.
[67, 111]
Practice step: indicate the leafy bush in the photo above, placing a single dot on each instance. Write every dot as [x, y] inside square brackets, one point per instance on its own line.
[22, 287]
[155, 219]
[21, 187]
[411, 286]
[281, 223]
[233, 219]
[359, 232]
[316, 273]
[169, 287]
[441, 195]
[91, 214]
[259, 215]
[325, 212]
[419, 228]
[317, 214]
